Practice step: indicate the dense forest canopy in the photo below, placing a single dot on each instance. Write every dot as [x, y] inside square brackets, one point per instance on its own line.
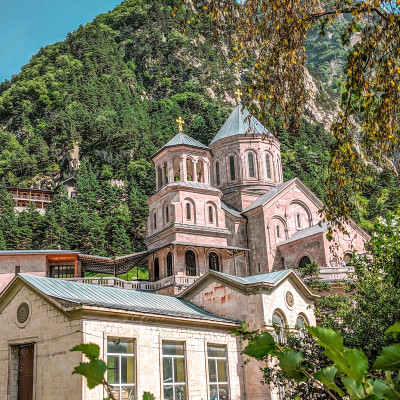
[100, 103]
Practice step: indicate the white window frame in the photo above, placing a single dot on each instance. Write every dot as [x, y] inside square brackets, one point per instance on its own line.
[120, 355]
[217, 383]
[173, 384]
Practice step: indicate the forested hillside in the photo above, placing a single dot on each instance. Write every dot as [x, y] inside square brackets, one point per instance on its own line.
[98, 104]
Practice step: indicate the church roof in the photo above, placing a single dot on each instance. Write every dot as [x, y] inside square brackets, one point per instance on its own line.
[239, 123]
[119, 299]
[268, 195]
[183, 140]
[231, 210]
[306, 232]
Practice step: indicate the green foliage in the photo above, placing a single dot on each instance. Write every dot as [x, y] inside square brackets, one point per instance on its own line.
[348, 375]
[93, 370]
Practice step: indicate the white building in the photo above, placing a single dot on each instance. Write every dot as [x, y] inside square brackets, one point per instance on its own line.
[176, 348]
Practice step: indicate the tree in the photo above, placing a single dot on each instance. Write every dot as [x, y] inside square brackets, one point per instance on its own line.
[348, 375]
[268, 38]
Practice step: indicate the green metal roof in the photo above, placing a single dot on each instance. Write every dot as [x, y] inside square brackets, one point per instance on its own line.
[232, 210]
[183, 140]
[270, 278]
[240, 123]
[119, 299]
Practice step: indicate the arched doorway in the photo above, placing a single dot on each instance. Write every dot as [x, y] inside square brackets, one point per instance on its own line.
[190, 261]
[156, 270]
[304, 261]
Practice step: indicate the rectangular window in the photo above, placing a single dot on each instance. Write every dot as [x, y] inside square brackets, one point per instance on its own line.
[121, 367]
[174, 371]
[218, 372]
[62, 271]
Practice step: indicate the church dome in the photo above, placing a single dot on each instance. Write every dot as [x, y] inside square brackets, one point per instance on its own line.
[239, 123]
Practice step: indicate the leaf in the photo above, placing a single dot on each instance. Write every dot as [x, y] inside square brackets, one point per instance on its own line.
[148, 396]
[389, 359]
[327, 377]
[93, 371]
[260, 346]
[380, 388]
[395, 329]
[354, 389]
[90, 350]
[327, 338]
[292, 364]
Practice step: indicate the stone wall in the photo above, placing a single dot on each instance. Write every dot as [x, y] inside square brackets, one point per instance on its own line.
[148, 343]
[53, 334]
[256, 309]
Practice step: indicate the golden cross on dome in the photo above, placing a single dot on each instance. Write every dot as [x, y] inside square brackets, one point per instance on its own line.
[238, 93]
[180, 123]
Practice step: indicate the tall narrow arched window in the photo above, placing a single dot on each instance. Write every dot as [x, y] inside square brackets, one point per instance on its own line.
[155, 220]
[250, 158]
[268, 166]
[159, 177]
[298, 220]
[188, 211]
[278, 231]
[217, 176]
[190, 261]
[166, 214]
[210, 214]
[156, 270]
[232, 167]
[278, 324]
[213, 261]
[169, 264]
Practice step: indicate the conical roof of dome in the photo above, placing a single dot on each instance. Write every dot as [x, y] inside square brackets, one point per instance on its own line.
[239, 123]
[183, 140]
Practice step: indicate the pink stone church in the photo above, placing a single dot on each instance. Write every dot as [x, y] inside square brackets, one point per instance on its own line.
[225, 207]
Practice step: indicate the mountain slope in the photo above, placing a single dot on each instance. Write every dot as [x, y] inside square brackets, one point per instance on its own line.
[101, 102]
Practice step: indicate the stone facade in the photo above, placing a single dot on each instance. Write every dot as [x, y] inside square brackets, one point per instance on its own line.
[255, 305]
[53, 333]
[55, 326]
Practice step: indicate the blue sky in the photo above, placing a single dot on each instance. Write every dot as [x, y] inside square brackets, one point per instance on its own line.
[28, 25]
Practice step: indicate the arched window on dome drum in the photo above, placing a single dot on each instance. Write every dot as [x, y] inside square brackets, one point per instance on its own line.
[268, 166]
[190, 261]
[304, 261]
[279, 326]
[232, 167]
[217, 176]
[156, 270]
[213, 261]
[250, 158]
[166, 214]
[169, 264]
[210, 214]
[188, 211]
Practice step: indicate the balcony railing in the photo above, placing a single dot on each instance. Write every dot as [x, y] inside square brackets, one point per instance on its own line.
[335, 274]
[137, 285]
